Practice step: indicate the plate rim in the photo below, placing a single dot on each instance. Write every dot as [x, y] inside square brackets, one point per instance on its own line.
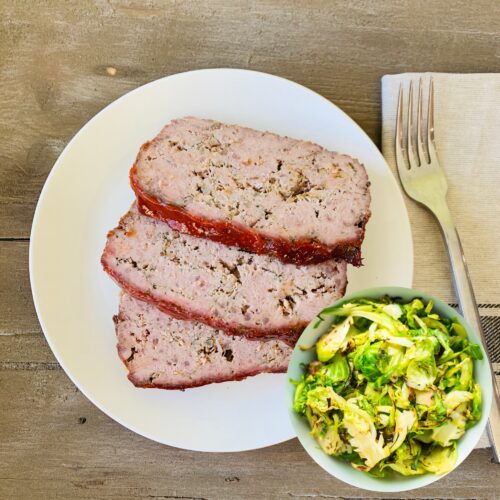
[57, 165]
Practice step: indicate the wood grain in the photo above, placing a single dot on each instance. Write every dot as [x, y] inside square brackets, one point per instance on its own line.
[60, 63]
[56, 444]
[17, 314]
[54, 61]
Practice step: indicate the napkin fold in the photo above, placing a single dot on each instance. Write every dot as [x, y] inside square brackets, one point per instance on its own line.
[467, 129]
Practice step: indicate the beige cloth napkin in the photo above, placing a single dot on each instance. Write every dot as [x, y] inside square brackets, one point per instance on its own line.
[467, 125]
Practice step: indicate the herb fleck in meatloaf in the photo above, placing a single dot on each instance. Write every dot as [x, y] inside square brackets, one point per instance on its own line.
[258, 191]
[163, 352]
[224, 287]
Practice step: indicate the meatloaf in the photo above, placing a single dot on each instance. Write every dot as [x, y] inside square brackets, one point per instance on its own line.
[223, 287]
[258, 191]
[167, 353]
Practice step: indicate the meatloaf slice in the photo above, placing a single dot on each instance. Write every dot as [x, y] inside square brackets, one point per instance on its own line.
[224, 287]
[167, 353]
[258, 191]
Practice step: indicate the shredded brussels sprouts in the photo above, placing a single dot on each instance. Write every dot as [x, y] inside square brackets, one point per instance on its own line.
[393, 387]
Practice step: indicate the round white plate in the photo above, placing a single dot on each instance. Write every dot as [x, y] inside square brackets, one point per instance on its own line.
[86, 193]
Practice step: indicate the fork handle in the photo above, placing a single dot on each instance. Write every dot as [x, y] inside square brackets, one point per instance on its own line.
[468, 307]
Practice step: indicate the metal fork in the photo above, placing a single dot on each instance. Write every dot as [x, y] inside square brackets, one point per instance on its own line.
[424, 180]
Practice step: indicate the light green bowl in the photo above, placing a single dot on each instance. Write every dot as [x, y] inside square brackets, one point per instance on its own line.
[346, 472]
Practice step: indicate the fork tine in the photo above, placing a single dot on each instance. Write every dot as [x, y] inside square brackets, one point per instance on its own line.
[411, 150]
[420, 126]
[430, 124]
[400, 148]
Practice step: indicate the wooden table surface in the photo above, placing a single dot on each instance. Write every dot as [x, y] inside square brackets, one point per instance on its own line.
[60, 63]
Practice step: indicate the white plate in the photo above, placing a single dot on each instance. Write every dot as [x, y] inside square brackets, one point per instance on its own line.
[87, 191]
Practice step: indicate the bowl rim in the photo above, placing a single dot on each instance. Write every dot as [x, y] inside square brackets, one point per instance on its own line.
[343, 471]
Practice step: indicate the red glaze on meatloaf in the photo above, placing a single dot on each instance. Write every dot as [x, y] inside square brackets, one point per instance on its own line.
[224, 287]
[163, 352]
[258, 191]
